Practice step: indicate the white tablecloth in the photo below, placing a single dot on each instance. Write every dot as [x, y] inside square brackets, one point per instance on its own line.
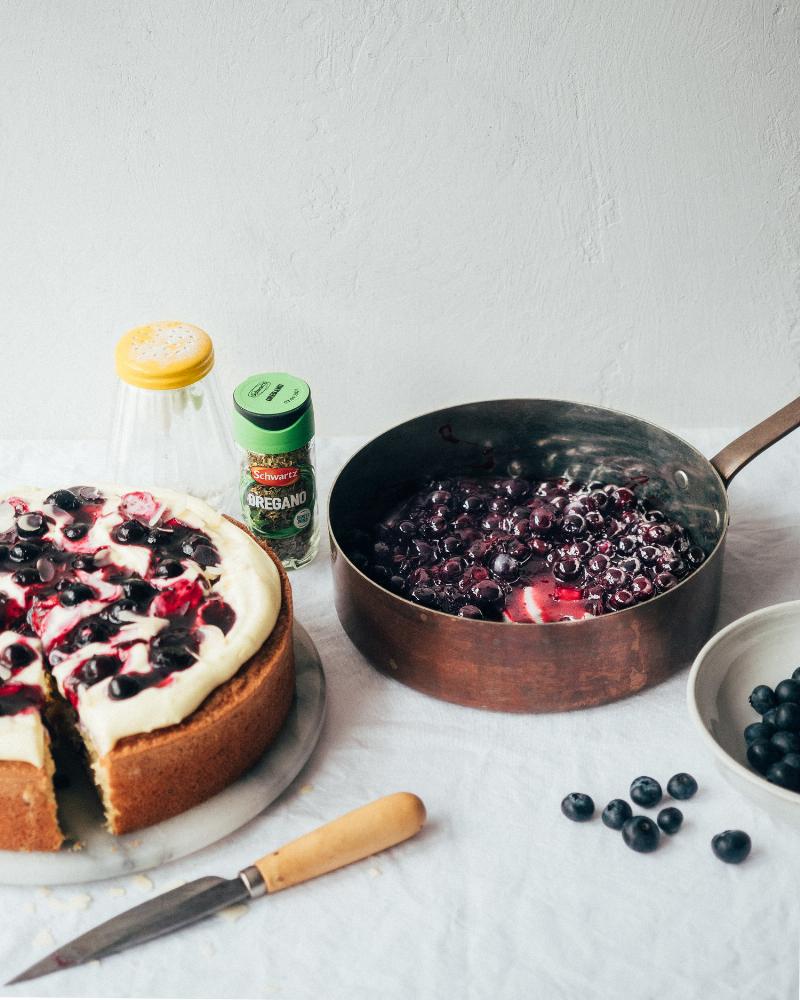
[499, 896]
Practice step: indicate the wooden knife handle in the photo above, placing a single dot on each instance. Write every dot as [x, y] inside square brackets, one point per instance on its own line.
[352, 837]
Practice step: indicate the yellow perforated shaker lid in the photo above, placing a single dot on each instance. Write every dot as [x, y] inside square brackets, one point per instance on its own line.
[168, 355]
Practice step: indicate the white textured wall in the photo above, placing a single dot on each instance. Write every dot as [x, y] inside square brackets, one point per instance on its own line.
[409, 203]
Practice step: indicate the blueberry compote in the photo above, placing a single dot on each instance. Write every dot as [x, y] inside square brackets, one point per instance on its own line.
[520, 551]
[86, 575]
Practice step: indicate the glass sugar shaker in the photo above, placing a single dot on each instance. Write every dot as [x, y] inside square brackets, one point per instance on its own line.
[169, 426]
[273, 424]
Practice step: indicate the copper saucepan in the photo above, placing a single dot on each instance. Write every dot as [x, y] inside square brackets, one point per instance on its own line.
[562, 665]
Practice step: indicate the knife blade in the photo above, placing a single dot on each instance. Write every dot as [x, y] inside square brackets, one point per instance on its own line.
[356, 835]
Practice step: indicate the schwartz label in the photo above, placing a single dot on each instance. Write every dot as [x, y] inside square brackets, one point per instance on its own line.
[275, 477]
[278, 501]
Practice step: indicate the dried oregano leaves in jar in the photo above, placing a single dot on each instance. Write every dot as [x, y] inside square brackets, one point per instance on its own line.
[273, 423]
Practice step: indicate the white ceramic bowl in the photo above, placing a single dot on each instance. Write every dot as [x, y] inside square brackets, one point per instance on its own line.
[761, 648]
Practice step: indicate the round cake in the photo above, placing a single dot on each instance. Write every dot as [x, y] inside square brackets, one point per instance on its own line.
[148, 629]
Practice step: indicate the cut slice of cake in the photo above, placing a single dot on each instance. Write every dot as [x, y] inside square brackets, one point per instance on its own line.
[163, 625]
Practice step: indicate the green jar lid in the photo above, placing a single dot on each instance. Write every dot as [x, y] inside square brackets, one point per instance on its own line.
[272, 413]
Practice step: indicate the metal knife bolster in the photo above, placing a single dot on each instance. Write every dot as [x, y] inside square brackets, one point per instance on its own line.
[253, 881]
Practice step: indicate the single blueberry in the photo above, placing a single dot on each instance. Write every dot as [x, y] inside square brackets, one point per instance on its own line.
[786, 742]
[641, 834]
[788, 690]
[168, 568]
[138, 590]
[670, 819]
[769, 717]
[24, 552]
[787, 716]
[74, 532]
[577, 807]
[98, 667]
[762, 753]
[31, 525]
[17, 655]
[681, 786]
[123, 686]
[469, 611]
[758, 731]
[75, 593]
[796, 674]
[731, 846]
[130, 533]
[762, 698]
[616, 813]
[645, 791]
[783, 774]
[65, 499]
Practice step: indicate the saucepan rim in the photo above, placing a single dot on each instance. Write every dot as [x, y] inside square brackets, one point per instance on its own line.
[725, 515]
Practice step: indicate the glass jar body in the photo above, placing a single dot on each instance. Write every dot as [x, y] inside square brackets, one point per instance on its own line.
[174, 438]
[278, 496]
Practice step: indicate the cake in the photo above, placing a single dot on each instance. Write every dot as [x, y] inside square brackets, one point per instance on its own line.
[146, 629]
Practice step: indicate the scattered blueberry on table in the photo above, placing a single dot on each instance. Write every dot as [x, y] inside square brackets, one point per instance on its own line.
[681, 786]
[731, 846]
[669, 819]
[616, 813]
[641, 834]
[577, 807]
[645, 791]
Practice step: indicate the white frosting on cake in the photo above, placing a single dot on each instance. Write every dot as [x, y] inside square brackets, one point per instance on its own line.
[23, 736]
[245, 578]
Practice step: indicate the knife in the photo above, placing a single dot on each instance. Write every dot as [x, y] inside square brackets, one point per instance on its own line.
[352, 837]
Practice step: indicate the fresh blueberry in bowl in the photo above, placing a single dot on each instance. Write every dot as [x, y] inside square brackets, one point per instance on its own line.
[762, 753]
[641, 834]
[578, 807]
[786, 741]
[784, 774]
[759, 731]
[787, 690]
[787, 716]
[762, 698]
[645, 791]
[731, 846]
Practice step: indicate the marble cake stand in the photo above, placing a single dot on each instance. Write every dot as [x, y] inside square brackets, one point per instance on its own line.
[105, 856]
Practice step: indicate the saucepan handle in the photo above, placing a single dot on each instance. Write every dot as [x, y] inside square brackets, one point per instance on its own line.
[744, 449]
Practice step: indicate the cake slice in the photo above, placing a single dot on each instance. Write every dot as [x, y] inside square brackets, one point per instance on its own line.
[28, 814]
[163, 629]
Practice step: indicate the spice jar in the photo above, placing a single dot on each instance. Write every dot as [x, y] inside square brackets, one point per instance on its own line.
[273, 424]
[169, 427]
